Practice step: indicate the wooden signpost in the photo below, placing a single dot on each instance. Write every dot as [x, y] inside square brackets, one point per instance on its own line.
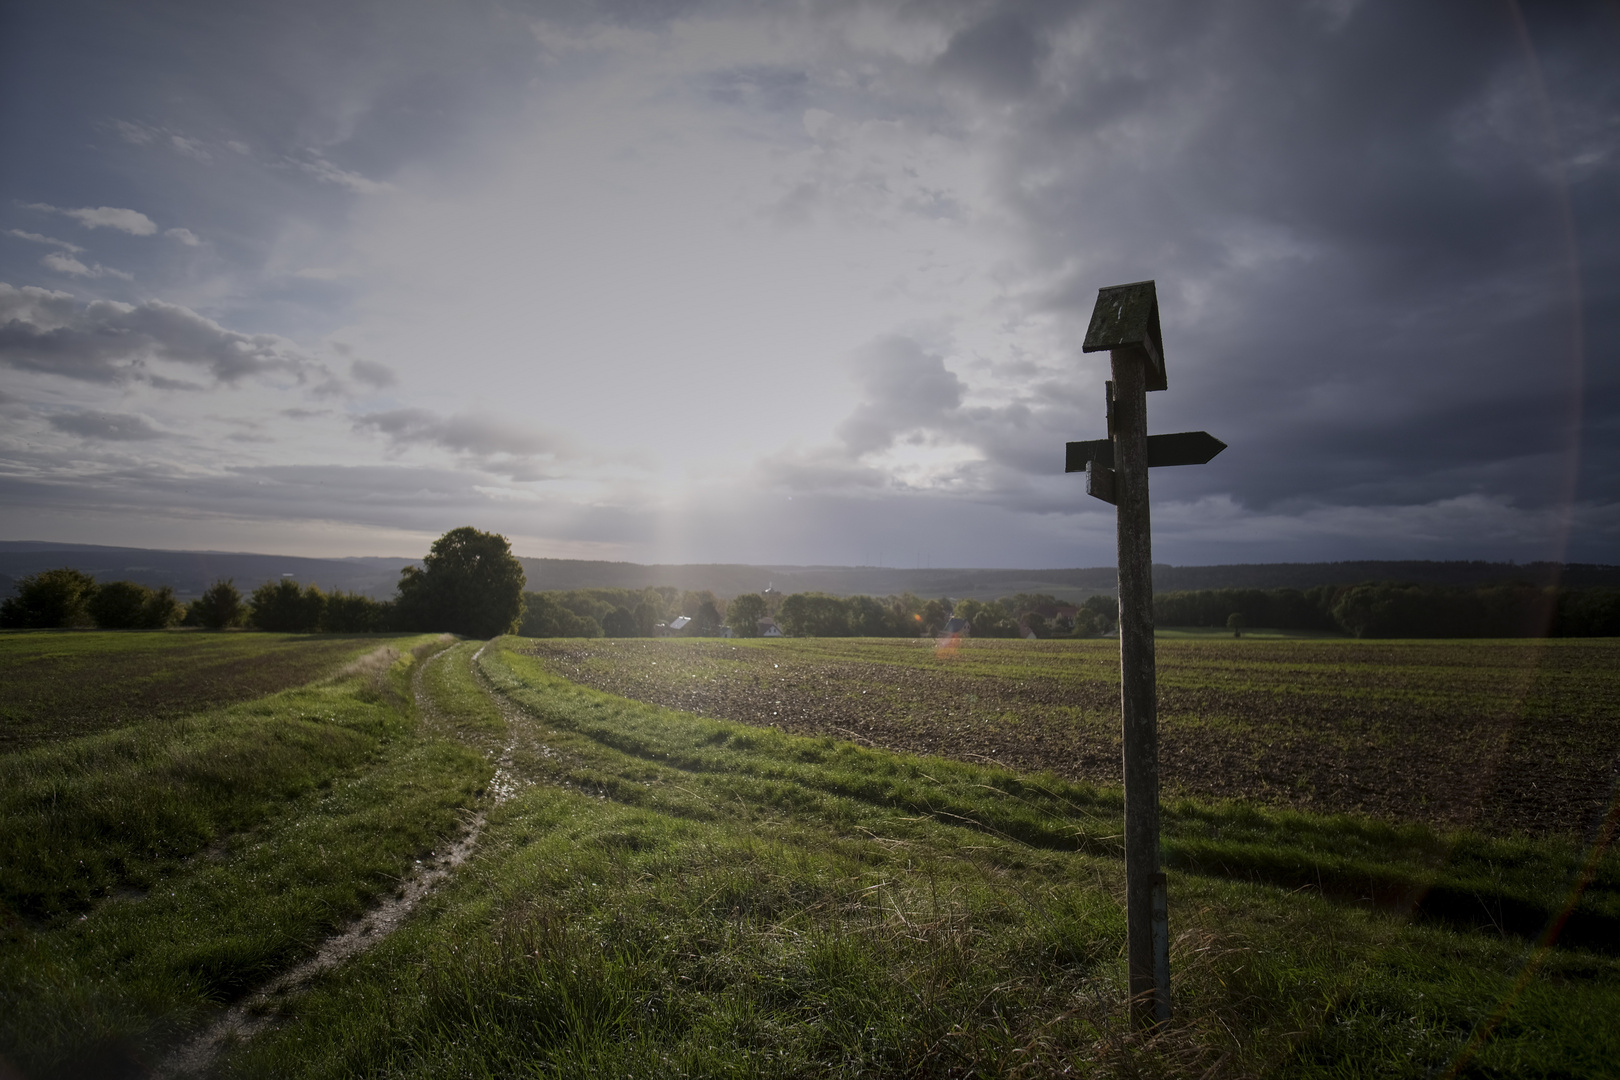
[1125, 322]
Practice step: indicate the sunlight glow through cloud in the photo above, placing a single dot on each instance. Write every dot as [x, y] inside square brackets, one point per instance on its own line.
[807, 283]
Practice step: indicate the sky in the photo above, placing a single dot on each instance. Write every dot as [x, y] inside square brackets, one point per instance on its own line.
[806, 283]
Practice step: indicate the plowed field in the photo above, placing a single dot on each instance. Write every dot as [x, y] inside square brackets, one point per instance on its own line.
[1502, 736]
[60, 684]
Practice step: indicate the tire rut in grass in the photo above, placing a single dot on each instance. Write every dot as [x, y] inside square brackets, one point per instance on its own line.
[261, 1008]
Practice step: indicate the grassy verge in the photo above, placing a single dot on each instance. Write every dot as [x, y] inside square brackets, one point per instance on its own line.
[671, 895]
[152, 872]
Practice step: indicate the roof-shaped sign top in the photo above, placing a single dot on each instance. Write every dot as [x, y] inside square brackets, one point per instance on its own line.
[1128, 315]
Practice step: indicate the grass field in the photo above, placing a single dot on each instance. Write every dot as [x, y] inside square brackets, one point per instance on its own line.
[659, 893]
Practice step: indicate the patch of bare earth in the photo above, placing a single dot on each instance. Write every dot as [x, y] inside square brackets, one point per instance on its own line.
[1530, 744]
[53, 697]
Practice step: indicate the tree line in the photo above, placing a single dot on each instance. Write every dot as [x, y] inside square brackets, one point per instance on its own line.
[650, 612]
[469, 583]
[1388, 609]
[71, 598]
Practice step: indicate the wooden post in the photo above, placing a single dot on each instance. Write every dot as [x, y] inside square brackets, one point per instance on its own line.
[1146, 917]
[1125, 323]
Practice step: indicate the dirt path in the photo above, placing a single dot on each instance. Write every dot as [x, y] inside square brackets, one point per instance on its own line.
[261, 1009]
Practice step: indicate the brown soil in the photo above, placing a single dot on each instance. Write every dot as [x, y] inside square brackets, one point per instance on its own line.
[49, 695]
[1504, 737]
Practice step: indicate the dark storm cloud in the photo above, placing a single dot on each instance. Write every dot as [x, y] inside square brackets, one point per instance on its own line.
[1386, 239]
[108, 342]
[1367, 235]
[110, 427]
[998, 55]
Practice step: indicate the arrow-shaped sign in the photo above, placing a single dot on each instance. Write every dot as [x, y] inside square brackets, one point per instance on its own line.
[1182, 448]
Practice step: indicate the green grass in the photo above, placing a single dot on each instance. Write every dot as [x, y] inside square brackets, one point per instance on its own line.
[153, 871]
[662, 894]
[682, 896]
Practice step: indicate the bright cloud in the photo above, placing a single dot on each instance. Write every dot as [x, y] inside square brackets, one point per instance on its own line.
[64, 263]
[104, 217]
[37, 238]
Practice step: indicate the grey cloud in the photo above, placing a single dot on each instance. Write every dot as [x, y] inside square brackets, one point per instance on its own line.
[905, 388]
[111, 427]
[773, 89]
[326, 172]
[132, 132]
[373, 374]
[191, 148]
[1354, 222]
[823, 470]
[500, 446]
[382, 496]
[1000, 55]
[108, 342]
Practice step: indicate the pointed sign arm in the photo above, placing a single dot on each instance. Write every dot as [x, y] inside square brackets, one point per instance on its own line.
[1182, 448]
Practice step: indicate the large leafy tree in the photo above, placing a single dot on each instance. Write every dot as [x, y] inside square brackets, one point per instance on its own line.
[815, 615]
[470, 584]
[619, 623]
[743, 614]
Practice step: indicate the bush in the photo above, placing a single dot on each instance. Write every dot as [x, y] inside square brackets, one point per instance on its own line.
[284, 608]
[50, 598]
[218, 608]
[355, 613]
[544, 617]
[128, 605]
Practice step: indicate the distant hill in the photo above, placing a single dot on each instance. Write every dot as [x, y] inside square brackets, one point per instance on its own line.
[190, 572]
[728, 579]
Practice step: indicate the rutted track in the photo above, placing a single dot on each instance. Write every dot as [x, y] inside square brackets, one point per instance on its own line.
[259, 1009]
